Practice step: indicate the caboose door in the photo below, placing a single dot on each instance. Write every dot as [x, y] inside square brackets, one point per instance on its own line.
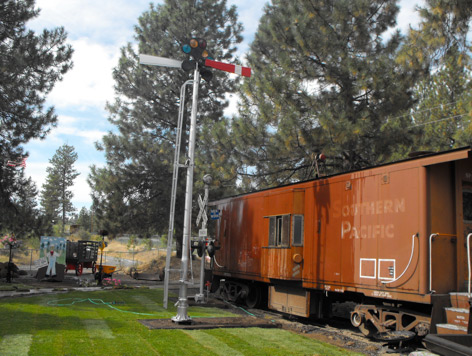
[463, 185]
[284, 215]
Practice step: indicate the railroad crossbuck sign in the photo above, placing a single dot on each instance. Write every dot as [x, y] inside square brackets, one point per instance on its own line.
[202, 215]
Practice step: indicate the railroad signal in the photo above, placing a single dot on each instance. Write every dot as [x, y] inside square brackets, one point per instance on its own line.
[196, 47]
[200, 59]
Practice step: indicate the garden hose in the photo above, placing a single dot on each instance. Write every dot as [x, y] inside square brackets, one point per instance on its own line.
[60, 303]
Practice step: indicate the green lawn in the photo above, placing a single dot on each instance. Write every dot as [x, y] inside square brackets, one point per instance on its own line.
[71, 324]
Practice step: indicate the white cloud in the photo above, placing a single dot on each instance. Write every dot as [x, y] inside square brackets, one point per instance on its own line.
[90, 82]
[96, 30]
[408, 14]
[106, 21]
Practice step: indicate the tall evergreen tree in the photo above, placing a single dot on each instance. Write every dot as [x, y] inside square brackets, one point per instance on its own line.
[25, 218]
[56, 194]
[440, 49]
[443, 114]
[85, 219]
[325, 80]
[132, 193]
[30, 65]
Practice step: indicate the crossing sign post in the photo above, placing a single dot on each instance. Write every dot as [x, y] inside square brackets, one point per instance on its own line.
[203, 234]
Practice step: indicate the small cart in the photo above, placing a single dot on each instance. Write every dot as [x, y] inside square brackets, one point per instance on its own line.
[107, 272]
[80, 255]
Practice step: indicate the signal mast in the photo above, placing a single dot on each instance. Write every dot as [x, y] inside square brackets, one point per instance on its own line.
[200, 62]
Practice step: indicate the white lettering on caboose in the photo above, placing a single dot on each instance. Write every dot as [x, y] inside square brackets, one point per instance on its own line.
[351, 230]
[388, 206]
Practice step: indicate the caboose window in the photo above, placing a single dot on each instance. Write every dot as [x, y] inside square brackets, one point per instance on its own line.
[467, 204]
[279, 231]
[297, 230]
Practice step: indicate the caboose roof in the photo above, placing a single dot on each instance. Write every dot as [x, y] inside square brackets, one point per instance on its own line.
[424, 158]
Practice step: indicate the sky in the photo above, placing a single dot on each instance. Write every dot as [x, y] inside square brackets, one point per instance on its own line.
[97, 30]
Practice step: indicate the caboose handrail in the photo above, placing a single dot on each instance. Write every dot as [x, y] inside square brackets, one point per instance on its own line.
[431, 237]
[409, 262]
[468, 263]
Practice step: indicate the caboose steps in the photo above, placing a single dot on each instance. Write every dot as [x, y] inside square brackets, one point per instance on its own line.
[450, 329]
[460, 300]
[457, 316]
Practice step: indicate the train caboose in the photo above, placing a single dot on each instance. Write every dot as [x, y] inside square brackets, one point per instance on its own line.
[392, 239]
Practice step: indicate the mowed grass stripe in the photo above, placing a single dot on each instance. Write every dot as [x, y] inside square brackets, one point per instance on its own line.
[282, 342]
[151, 305]
[176, 342]
[61, 330]
[250, 342]
[235, 341]
[218, 346]
[98, 328]
[16, 345]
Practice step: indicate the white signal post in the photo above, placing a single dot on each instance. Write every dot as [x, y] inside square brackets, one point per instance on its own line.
[182, 316]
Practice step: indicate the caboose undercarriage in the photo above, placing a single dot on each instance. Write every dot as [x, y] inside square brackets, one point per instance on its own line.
[374, 317]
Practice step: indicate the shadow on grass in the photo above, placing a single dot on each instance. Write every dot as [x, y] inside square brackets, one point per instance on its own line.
[20, 322]
[68, 311]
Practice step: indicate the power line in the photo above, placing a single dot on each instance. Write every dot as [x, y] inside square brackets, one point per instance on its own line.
[426, 110]
[436, 121]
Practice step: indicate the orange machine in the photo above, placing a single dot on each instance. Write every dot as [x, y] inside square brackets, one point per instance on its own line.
[392, 239]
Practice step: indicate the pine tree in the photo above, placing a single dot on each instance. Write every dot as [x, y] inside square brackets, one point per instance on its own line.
[325, 80]
[23, 218]
[30, 65]
[56, 196]
[443, 114]
[440, 49]
[132, 193]
[85, 219]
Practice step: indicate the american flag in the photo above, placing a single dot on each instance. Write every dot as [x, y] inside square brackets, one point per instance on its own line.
[17, 164]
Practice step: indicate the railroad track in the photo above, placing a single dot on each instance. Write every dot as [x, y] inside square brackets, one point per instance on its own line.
[337, 331]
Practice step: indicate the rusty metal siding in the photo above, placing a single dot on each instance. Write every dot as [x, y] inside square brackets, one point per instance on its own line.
[362, 230]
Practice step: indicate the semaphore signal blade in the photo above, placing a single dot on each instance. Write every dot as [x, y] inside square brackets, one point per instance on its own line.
[159, 61]
[231, 68]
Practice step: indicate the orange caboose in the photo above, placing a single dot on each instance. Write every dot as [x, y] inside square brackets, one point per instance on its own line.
[392, 239]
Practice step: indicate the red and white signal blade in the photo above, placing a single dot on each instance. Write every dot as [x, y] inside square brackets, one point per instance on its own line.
[231, 68]
[159, 61]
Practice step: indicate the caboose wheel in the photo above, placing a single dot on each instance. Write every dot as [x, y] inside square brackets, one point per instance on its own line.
[356, 319]
[254, 296]
[367, 329]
